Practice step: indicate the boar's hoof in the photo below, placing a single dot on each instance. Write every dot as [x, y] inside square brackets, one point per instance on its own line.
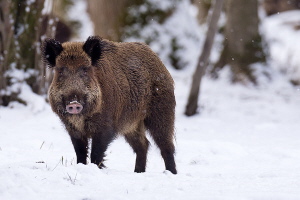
[74, 108]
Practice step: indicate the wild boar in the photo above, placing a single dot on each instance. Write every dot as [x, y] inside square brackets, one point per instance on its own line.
[102, 89]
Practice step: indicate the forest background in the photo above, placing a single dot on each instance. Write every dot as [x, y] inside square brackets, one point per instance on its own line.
[239, 44]
[240, 141]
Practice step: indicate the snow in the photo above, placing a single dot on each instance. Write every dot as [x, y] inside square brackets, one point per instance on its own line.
[78, 12]
[284, 44]
[244, 144]
[181, 27]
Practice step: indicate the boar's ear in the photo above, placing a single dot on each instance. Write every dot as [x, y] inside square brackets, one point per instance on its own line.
[92, 47]
[50, 50]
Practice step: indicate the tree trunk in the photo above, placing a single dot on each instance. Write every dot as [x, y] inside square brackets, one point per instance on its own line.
[242, 45]
[203, 8]
[5, 34]
[275, 6]
[19, 37]
[106, 16]
[192, 104]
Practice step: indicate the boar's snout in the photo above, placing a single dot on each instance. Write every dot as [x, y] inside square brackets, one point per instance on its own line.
[74, 107]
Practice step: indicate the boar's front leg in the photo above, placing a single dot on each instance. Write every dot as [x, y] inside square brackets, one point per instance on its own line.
[81, 149]
[100, 142]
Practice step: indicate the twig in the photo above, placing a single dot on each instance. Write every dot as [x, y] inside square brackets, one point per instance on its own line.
[42, 144]
[70, 178]
[56, 166]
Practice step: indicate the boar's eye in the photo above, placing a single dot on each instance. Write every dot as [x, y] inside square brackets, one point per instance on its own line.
[60, 70]
[84, 70]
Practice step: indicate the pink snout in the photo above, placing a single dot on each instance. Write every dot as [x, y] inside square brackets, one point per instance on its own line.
[74, 107]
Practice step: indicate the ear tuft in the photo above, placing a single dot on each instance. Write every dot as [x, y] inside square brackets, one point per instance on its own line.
[50, 49]
[92, 47]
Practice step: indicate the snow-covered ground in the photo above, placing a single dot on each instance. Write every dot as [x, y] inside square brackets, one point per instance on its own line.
[245, 144]
[282, 34]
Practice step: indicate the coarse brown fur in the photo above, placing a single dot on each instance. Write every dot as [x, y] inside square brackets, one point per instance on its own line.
[124, 89]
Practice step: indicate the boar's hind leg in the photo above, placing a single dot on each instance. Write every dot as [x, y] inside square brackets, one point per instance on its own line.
[81, 149]
[160, 124]
[139, 143]
[164, 140]
[100, 143]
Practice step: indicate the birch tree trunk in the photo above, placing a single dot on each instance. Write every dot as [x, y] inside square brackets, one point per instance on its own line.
[192, 105]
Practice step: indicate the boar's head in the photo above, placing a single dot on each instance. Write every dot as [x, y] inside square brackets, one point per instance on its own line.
[75, 89]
